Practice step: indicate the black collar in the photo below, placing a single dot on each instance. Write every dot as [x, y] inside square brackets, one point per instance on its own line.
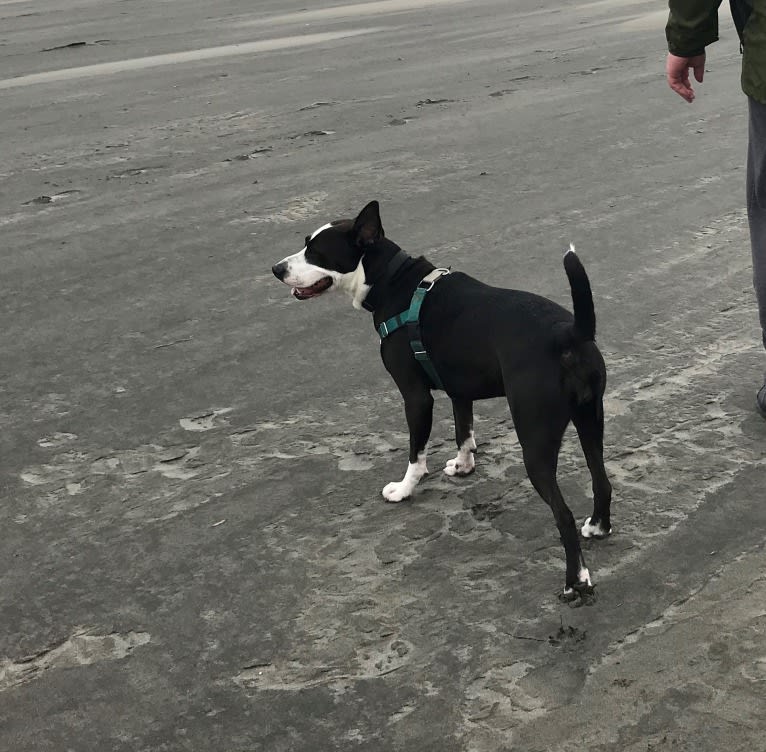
[394, 265]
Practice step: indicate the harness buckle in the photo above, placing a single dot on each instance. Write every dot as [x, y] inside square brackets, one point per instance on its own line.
[383, 330]
[433, 281]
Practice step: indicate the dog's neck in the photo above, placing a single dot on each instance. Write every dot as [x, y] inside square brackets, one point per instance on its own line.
[383, 263]
[381, 267]
[392, 276]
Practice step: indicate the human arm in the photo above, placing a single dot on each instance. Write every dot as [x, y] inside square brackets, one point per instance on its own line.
[692, 25]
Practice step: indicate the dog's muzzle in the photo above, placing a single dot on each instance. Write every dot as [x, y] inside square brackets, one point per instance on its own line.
[280, 270]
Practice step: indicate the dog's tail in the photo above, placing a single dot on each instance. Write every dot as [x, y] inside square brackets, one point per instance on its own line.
[583, 366]
[582, 298]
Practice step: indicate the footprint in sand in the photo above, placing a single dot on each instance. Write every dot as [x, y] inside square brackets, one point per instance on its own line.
[205, 421]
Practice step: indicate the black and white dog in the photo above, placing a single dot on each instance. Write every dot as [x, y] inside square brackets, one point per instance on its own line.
[482, 342]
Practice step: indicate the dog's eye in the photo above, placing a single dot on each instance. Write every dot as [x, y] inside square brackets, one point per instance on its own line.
[315, 256]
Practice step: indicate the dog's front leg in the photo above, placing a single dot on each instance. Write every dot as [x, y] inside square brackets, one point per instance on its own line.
[464, 463]
[419, 411]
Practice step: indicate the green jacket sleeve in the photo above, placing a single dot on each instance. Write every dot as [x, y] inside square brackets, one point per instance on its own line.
[692, 26]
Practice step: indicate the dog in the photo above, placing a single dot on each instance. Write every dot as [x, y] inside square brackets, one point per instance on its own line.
[479, 342]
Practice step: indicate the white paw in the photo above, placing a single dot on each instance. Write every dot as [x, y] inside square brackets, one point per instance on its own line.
[404, 488]
[594, 531]
[397, 491]
[461, 465]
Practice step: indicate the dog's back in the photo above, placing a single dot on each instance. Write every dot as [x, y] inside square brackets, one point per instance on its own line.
[482, 339]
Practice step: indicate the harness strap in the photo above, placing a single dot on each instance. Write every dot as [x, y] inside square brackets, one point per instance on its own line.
[411, 318]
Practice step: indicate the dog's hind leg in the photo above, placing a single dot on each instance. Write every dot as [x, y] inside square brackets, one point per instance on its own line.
[541, 468]
[589, 422]
[540, 426]
[464, 463]
[418, 407]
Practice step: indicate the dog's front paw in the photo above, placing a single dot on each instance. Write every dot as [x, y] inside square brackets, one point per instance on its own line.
[397, 491]
[404, 488]
[597, 530]
[463, 464]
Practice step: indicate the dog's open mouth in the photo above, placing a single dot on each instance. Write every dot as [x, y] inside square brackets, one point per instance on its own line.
[304, 293]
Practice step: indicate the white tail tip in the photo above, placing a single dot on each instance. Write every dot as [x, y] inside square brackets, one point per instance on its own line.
[571, 249]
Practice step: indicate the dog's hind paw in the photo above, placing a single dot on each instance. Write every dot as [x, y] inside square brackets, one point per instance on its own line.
[580, 594]
[598, 530]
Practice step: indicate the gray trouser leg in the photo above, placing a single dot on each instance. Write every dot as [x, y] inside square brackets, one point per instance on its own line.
[756, 202]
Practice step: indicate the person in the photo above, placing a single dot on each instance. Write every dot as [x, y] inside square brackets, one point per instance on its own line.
[692, 26]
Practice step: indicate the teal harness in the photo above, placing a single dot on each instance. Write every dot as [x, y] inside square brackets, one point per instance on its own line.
[411, 319]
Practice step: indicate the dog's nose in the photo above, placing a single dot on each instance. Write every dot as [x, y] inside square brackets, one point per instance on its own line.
[279, 270]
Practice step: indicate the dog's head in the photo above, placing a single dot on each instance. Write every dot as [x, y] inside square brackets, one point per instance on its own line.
[333, 257]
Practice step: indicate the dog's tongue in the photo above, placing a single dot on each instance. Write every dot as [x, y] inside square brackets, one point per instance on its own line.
[302, 293]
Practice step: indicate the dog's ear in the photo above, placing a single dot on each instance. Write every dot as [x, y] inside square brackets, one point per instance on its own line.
[367, 227]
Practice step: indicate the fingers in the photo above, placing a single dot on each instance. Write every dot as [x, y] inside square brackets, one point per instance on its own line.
[677, 73]
[682, 87]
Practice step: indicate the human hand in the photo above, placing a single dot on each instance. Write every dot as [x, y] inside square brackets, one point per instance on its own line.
[677, 73]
